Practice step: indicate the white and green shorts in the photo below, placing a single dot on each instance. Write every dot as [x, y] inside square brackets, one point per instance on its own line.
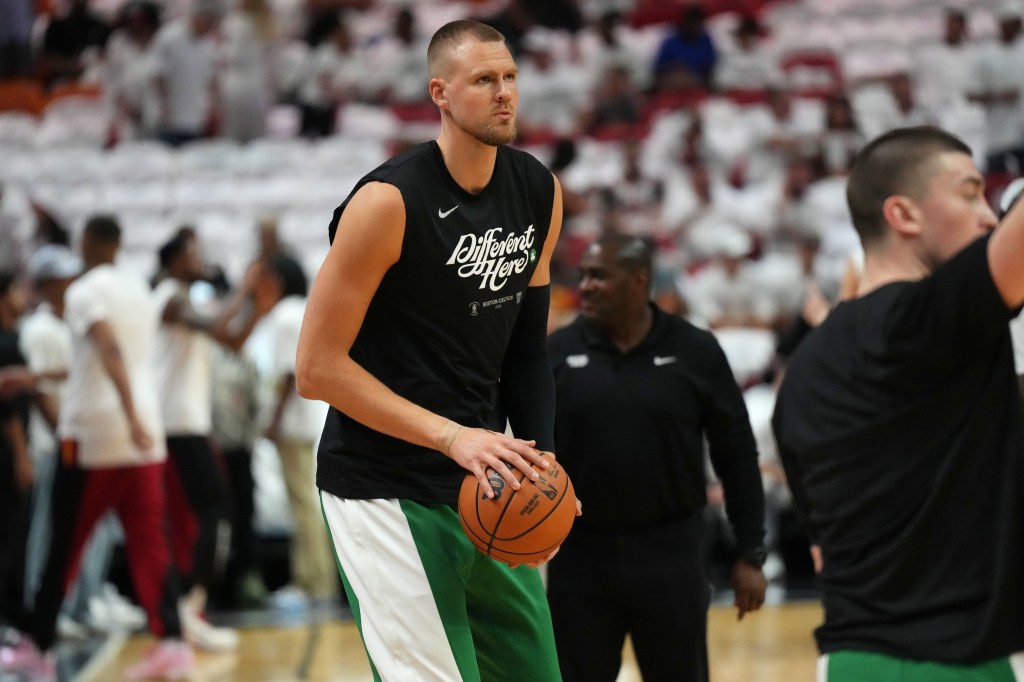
[428, 604]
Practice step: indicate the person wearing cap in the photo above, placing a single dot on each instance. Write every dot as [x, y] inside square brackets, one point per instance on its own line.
[46, 346]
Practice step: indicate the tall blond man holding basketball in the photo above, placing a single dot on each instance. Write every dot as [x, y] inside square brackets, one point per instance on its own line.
[424, 330]
[899, 425]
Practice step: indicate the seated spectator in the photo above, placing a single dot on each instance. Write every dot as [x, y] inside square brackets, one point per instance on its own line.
[614, 104]
[186, 66]
[943, 69]
[130, 70]
[996, 85]
[610, 42]
[841, 139]
[686, 58]
[749, 64]
[71, 44]
[400, 60]
[551, 91]
[249, 53]
[779, 132]
[333, 76]
[16, 38]
[633, 200]
[726, 292]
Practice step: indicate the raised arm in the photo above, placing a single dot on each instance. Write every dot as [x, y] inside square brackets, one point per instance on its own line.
[237, 318]
[368, 241]
[1006, 255]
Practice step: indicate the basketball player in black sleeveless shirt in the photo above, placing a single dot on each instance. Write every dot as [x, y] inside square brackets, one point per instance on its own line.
[425, 330]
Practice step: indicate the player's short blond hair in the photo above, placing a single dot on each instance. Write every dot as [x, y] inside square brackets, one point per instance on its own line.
[453, 34]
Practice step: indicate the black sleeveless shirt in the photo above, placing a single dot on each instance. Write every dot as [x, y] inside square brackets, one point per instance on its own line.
[437, 328]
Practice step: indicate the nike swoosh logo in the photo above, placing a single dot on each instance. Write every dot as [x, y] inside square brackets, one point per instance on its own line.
[660, 360]
[444, 214]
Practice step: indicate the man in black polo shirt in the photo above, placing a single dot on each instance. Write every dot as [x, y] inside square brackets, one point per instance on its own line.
[899, 425]
[637, 391]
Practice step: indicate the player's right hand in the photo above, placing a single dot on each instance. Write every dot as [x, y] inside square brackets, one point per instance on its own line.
[482, 452]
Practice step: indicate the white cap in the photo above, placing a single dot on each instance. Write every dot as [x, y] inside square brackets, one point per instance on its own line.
[53, 261]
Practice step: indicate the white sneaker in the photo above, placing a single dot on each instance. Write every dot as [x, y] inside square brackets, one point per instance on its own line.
[69, 628]
[201, 634]
[289, 598]
[111, 612]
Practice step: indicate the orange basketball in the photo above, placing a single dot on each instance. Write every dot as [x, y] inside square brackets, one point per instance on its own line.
[519, 526]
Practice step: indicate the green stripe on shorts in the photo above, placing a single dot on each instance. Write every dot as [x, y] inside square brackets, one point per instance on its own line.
[864, 666]
[496, 618]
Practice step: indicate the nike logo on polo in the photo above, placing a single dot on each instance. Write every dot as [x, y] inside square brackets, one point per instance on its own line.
[660, 360]
[577, 361]
[444, 214]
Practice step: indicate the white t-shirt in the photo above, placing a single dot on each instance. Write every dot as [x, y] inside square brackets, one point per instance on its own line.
[344, 72]
[130, 72]
[998, 69]
[46, 344]
[92, 413]
[302, 419]
[183, 357]
[188, 64]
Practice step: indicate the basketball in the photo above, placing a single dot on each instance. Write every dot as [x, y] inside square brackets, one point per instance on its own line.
[519, 526]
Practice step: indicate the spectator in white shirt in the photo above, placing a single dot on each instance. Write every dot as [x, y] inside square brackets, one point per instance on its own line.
[998, 86]
[747, 64]
[186, 58]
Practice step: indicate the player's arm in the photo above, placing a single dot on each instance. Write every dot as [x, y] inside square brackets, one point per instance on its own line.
[1006, 253]
[733, 453]
[226, 328]
[109, 352]
[12, 430]
[367, 243]
[527, 384]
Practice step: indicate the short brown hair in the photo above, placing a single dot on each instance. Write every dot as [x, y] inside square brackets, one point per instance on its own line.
[452, 35]
[894, 163]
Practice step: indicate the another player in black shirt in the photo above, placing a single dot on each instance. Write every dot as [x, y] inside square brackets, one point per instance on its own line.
[899, 426]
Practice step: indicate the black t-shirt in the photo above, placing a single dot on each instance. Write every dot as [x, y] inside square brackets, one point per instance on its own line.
[630, 427]
[438, 326]
[899, 425]
[69, 36]
[19, 406]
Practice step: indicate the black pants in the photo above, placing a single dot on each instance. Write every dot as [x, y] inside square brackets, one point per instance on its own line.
[651, 584]
[15, 516]
[198, 509]
[244, 548]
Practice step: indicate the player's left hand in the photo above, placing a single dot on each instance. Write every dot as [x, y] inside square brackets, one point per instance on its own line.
[749, 585]
[549, 557]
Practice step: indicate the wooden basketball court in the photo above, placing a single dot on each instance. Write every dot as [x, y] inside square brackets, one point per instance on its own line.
[773, 645]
